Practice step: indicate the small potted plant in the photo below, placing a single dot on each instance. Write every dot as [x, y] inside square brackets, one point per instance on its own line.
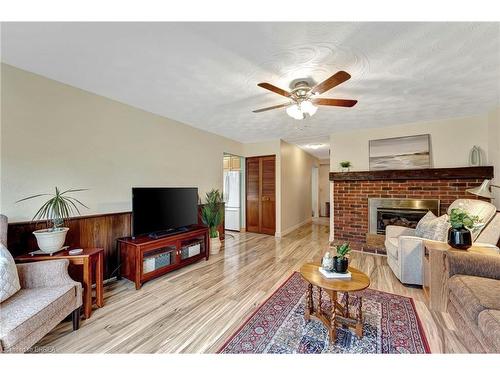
[346, 165]
[56, 210]
[212, 214]
[459, 234]
[340, 261]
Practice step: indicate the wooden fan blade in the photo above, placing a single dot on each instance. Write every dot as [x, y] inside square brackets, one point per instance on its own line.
[335, 102]
[273, 107]
[274, 89]
[331, 82]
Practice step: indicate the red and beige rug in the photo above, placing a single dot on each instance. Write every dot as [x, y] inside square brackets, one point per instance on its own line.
[391, 325]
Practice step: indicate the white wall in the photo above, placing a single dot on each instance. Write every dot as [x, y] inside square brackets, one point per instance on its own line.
[494, 151]
[57, 135]
[296, 202]
[451, 141]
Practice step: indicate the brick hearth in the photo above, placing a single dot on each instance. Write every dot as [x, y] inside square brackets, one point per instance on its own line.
[351, 191]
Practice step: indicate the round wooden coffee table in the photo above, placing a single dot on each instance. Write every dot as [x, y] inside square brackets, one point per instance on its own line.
[340, 312]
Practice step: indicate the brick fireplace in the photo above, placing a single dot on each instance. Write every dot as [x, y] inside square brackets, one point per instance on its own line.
[352, 191]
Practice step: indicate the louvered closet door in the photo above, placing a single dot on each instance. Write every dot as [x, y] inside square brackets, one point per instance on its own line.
[252, 194]
[261, 195]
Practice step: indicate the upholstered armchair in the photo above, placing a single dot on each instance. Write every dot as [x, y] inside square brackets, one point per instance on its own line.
[405, 251]
[47, 296]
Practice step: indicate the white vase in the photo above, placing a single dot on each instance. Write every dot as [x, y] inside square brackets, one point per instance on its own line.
[215, 245]
[50, 241]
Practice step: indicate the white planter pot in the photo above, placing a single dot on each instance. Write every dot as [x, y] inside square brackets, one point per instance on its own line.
[50, 241]
[215, 245]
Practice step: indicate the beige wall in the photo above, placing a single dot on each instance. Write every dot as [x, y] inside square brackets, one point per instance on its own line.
[296, 195]
[494, 150]
[451, 141]
[324, 186]
[57, 135]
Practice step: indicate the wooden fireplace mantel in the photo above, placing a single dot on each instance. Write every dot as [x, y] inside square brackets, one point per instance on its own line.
[416, 174]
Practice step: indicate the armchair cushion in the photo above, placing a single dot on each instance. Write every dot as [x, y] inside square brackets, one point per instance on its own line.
[433, 228]
[474, 294]
[465, 263]
[9, 279]
[489, 324]
[44, 274]
[27, 310]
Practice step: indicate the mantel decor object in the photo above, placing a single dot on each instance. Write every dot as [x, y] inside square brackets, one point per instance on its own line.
[475, 157]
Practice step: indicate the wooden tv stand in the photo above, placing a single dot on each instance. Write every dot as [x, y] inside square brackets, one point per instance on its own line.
[143, 258]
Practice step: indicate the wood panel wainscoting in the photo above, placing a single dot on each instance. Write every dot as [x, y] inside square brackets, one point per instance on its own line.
[84, 232]
[261, 194]
[100, 230]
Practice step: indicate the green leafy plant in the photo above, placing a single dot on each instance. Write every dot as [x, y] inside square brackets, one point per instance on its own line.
[345, 164]
[212, 211]
[459, 218]
[58, 208]
[343, 250]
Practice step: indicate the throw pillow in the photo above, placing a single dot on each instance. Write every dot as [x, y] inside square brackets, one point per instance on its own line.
[432, 227]
[9, 279]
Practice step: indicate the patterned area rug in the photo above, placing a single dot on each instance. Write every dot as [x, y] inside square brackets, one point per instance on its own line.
[390, 325]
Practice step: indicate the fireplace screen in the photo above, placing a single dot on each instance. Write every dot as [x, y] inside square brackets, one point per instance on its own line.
[404, 212]
[402, 218]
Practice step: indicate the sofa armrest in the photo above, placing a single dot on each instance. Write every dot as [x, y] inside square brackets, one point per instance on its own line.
[44, 274]
[481, 265]
[392, 231]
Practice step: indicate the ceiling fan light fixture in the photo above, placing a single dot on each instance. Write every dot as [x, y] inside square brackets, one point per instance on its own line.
[308, 107]
[295, 112]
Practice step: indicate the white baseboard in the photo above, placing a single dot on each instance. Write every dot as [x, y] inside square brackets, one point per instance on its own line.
[292, 228]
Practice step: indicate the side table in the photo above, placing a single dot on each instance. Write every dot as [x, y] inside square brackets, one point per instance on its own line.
[91, 259]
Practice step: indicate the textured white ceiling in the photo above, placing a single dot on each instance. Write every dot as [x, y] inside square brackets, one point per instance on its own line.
[206, 74]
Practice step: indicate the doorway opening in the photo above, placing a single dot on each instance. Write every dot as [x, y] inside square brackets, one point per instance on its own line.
[315, 191]
[234, 170]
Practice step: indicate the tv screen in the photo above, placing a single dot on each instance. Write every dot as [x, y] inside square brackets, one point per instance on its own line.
[163, 209]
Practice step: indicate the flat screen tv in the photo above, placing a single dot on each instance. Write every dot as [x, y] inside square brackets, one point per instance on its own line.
[159, 210]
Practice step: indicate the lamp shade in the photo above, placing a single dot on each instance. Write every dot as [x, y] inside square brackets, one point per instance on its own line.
[483, 190]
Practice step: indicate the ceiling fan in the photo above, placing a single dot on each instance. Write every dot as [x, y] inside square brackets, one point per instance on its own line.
[303, 97]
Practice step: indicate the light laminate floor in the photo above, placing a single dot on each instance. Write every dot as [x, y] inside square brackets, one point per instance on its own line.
[195, 309]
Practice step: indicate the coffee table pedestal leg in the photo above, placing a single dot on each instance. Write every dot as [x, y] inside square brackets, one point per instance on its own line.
[359, 319]
[309, 300]
[332, 330]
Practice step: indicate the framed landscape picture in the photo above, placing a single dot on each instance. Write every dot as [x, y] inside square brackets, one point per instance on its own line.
[412, 152]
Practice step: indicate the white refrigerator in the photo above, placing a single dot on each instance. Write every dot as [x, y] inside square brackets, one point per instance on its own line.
[232, 199]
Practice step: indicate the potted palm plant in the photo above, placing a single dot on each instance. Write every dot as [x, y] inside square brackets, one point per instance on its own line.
[340, 261]
[212, 214]
[56, 210]
[459, 234]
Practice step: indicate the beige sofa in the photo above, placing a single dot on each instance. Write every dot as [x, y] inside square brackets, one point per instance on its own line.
[405, 251]
[47, 296]
[474, 299]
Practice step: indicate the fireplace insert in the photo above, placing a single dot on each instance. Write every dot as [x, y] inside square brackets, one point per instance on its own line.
[402, 218]
[405, 212]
